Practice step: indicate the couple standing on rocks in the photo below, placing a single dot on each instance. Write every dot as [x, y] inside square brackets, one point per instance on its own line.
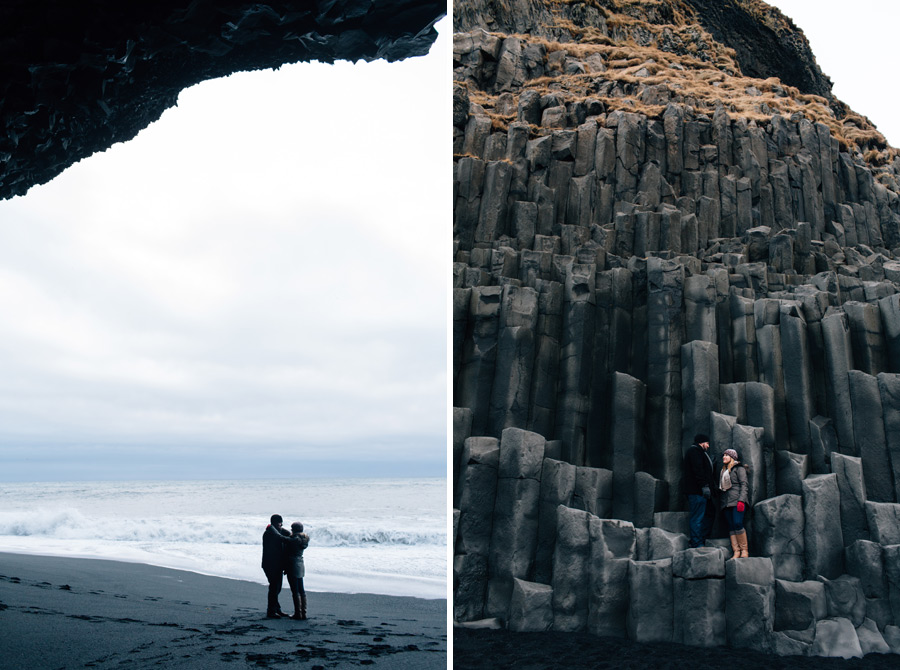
[283, 555]
[732, 491]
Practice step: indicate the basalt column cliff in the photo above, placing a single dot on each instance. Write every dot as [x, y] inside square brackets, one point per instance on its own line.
[666, 224]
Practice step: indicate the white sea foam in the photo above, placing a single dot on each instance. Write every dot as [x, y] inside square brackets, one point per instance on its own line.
[377, 536]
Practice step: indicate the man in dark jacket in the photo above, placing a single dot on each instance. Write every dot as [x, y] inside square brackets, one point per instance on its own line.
[273, 541]
[698, 485]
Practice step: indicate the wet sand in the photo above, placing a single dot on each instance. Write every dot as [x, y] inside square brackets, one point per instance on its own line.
[501, 650]
[75, 613]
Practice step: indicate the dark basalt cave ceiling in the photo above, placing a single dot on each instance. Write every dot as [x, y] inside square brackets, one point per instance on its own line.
[77, 77]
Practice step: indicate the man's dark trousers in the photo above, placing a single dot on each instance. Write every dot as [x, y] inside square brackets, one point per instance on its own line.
[275, 581]
[702, 514]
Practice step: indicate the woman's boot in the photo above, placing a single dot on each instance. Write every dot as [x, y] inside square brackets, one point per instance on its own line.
[742, 544]
[735, 548]
[298, 606]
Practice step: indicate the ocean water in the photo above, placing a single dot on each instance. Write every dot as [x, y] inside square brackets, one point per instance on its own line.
[384, 536]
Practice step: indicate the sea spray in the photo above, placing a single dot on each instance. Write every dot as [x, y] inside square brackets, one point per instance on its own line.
[368, 535]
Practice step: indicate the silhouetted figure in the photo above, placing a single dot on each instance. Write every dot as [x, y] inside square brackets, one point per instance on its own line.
[698, 485]
[273, 541]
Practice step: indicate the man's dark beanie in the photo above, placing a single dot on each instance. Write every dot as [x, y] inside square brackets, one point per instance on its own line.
[276, 518]
[700, 437]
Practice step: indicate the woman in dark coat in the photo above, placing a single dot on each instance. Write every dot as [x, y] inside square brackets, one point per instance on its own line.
[735, 496]
[294, 568]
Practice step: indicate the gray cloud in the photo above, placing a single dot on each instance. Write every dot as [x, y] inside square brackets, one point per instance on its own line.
[260, 272]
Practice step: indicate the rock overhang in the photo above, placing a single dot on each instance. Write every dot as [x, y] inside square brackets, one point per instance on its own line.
[76, 78]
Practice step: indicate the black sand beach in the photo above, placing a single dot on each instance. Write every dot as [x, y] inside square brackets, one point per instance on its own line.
[500, 649]
[75, 613]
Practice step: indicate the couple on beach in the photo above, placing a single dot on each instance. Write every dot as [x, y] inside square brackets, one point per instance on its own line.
[283, 555]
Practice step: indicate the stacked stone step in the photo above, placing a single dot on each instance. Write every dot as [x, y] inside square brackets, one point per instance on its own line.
[538, 548]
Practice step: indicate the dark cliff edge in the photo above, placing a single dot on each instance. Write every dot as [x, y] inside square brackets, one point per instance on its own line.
[77, 77]
[767, 43]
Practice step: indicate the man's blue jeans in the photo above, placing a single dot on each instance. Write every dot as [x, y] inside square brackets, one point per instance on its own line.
[701, 519]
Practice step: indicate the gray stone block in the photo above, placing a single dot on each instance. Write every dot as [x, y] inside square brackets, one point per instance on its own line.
[865, 561]
[845, 598]
[748, 442]
[892, 637]
[838, 363]
[823, 541]
[557, 488]
[699, 611]
[884, 522]
[470, 574]
[626, 441]
[650, 495]
[651, 601]
[889, 386]
[641, 544]
[531, 607]
[613, 538]
[721, 434]
[879, 611]
[798, 605]
[571, 563]
[674, 522]
[761, 413]
[799, 395]
[778, 533]
[836, 638]
[478, 490]
[823, 442]
[521, 454]
[892, 573]
[513, 539]
[749, 602]
[462, 430]
[593, 490]
[608, 595]
[790, 471]
[699, 563]
[784, 645]
[663, 544]
[699, 387]
[871, 641]
[852, 485]
[868, 430]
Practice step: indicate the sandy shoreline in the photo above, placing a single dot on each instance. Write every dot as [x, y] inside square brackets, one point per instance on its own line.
[71, 612]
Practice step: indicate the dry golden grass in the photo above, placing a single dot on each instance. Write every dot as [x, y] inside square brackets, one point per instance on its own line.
[704, 74]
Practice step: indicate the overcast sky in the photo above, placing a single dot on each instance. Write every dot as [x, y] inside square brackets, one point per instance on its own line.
[254, 286]
[854, 45]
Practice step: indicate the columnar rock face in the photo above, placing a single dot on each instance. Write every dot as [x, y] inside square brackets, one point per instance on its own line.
[640, 256]
[78, 77]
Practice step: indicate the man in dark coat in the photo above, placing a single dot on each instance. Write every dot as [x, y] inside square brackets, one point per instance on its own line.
[273, 541]
[698, 485]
